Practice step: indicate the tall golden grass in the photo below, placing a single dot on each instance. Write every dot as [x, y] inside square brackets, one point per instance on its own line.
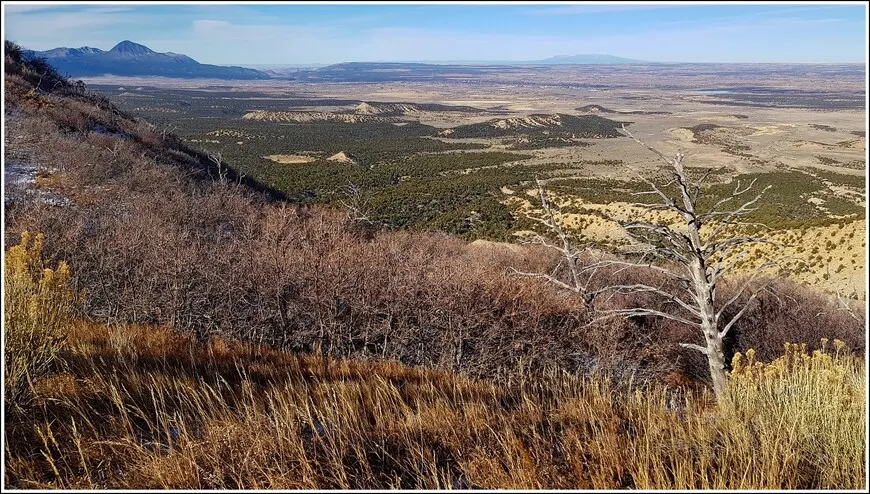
[138, 407]
[803, 413]
[141, 407]
[37, 307]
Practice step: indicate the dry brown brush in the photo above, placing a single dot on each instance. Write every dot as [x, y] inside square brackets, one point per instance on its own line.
[142, 407]
[154, 236]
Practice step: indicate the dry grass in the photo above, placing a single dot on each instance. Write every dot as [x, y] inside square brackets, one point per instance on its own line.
[37, 307]
[809, 411]
[142, 407]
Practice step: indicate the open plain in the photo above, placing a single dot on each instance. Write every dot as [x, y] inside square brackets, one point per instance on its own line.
[799, 128]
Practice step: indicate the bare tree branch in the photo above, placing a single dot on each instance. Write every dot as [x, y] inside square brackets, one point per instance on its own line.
[701, 181]
[551, 279]
[628, 264]
[694, 347]
[222, 169]
[743, 209]
[756, 272]
[737, 316]
[722, 248]
[846, 307]
[637, 311]
[641, 287]
[354, 203]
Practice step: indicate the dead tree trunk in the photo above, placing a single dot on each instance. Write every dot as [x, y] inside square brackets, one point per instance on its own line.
[697, 253]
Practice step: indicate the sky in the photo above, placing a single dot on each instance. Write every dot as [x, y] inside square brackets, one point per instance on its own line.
[288, 33]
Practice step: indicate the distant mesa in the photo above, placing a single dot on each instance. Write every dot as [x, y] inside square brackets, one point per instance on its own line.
[387, 109]
[435, 71]
[588, 59]
[342, 157]
[585, 126]
[409, 109]
[530, 122]
[366, 108]
[313, 116]
[132, 59]
[398, 113]
[595, 109]
[392, 72]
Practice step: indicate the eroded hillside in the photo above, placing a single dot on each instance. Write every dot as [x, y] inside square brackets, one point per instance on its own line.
[157, 230]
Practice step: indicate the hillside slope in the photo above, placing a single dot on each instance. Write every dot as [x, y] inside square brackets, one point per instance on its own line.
[158, 232]
[146, 408]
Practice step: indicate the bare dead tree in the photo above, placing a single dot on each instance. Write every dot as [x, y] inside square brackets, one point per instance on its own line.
[168, 129]
[357, 211]
[570, 253]
[36, 89]
[222, 168]
[355, 204]
[697, 253]
[845, 306]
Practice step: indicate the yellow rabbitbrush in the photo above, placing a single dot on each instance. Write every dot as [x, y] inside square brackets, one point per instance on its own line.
[38, 306]
[813, 404]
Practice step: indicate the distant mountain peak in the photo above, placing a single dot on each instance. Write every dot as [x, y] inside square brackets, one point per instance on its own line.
[589, 58]
[132, 59]
[127, 47]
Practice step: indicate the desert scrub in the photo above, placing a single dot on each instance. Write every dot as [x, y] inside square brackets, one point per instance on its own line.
[38, 305]
[145, 407]
[802, 416]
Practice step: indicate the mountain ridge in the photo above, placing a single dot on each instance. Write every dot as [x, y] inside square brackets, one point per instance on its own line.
[133, 59]
[595, 58]
[577, 59]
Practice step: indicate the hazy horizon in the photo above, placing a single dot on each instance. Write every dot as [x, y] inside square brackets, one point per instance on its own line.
[302, 34]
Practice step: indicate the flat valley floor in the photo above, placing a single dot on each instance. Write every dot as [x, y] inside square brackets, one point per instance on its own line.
[799, 128]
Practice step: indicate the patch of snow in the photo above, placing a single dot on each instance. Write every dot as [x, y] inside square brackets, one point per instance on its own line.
[19, 179]
[100, 129]
[19, 174]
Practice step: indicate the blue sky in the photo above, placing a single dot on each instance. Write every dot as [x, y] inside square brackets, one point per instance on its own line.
[330, 33]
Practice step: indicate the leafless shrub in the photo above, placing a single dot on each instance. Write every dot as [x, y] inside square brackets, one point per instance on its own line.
[152, 239]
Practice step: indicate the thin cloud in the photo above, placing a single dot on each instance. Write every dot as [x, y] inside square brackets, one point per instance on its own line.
[19, 9]
[108, 10]
[234, 34]
[45, 30]
[206, 39]
[599, 8]
[771, 14]
[220, 29]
